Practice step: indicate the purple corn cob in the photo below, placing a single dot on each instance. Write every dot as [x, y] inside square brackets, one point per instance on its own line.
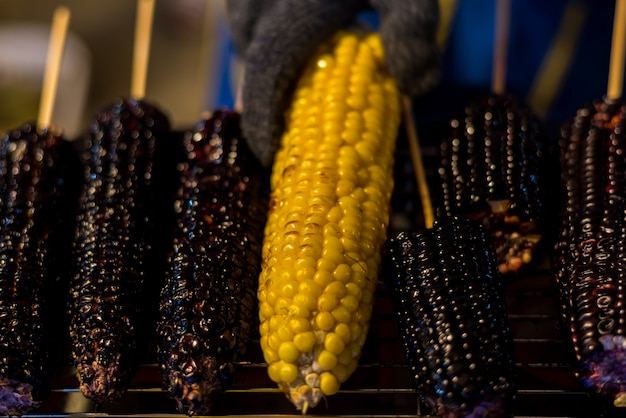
[590, 257]
[37, 202]
[491, 171]
[114, 244]
[452, 319]
[208, 303]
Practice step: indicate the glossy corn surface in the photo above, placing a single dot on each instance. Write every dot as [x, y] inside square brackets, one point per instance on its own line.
[452, 318]
[329, 208]
[493, 170]
[208, 307]
[590, 257]
[115, 236]
[37, 200]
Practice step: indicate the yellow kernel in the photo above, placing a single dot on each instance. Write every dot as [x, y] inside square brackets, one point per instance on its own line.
[328, 384]
[335, 288]
[310, 287]
[334, 214]
[304, 341]
[264, 328]
[305, 300]
[276, 322]
[358, 275]
[331, 233]
[288, 352]
[333, 255]
[305, 262]
[357, 101]
[350, 302]
[334, 343]
[299, 325]
[324, 321]
[282, 306]
[266, 310]
[298, 311]
[326, 360]
[288, 289]
[270, 356]
[273, 371]
[327, 302]
[349, 244]
[344, 188]
[288, 372]
[342, 273]
[273, 341]
[354, 290]
[284, 333]
[323, 277]
[343, 331]
[342, 314]
[350, 226]
[366, 151]
[326, 264]
[305, 273]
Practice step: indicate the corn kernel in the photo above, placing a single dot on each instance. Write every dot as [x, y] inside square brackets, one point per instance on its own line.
[327, 302]
[304, 341]
[329, 384]
[299, 325]
[288, 372]
[326, 360]
[324, 321]
[288, 352]
[343, 331]
[334, 343]
[342, 273]
[331, 185]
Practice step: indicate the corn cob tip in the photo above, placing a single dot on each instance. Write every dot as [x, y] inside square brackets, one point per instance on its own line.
[16, 398]
[195, 386]
[606, 371]
[101, 383]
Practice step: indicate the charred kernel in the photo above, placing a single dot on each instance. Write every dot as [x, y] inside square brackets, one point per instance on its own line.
[128, 156]
[215, 268]
[38, 172]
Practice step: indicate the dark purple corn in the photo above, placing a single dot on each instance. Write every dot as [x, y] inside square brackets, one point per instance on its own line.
[116, 235]
[37, 201]
[491, 171]
[590, 257]
[450, 301]
[208, 303]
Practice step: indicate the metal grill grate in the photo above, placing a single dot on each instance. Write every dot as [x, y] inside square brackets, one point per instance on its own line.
[381, 386]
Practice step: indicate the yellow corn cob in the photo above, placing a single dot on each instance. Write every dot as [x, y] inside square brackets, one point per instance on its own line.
[331, 188]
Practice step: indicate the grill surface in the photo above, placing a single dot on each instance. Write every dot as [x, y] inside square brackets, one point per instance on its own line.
[381, 386]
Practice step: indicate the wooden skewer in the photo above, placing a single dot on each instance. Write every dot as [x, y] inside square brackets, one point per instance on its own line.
[418, 164]
[141, 48]
[618, 43]
[56, 44]
[501, 41]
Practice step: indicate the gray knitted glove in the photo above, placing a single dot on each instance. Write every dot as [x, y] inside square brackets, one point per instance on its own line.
[277, 37]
